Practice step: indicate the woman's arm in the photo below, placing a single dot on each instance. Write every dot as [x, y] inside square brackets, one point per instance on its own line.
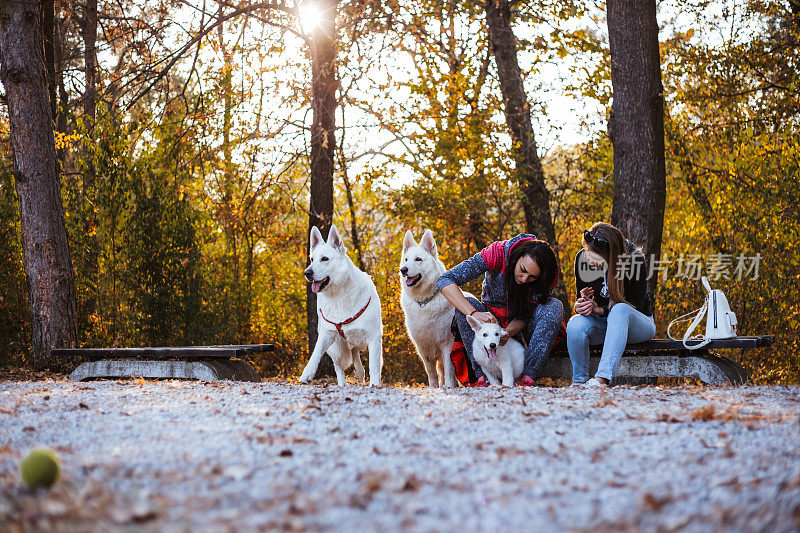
[465, 271]
[454, 295]
[448, 283]
[601, 310]
[513, 327]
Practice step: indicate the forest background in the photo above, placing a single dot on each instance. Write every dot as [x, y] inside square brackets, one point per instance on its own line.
[184, 149]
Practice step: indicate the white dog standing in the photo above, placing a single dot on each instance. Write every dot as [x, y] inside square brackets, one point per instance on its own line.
[348, 311]
[428, 313]
[498, 362]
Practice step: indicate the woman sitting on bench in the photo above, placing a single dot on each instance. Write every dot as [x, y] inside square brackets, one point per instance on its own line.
[612, 306]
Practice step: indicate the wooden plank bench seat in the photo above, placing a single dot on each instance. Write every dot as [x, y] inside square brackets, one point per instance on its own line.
[652, 359]
[207, 363]
[667, 358]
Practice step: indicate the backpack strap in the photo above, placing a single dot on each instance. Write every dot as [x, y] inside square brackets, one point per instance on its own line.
[683, 318]
[701, 313]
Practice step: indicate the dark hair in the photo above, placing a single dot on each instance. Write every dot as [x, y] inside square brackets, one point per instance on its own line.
[522, 297]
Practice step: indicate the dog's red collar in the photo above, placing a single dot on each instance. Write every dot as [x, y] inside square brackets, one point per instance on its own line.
[338, 325]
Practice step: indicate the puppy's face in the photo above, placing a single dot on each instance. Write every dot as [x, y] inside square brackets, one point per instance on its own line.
[418, 260]
[328, 260]
[487, 334]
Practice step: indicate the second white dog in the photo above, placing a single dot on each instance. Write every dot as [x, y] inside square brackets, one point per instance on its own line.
[501, 364]
[428, 313]
[348, 311]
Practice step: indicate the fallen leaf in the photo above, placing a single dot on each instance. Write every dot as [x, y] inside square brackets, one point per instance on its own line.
[412, 484]
[653, 502]
[605, 400]
[704, 413]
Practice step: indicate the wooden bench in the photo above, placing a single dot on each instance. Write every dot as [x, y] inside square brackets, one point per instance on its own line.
[207, 363]
[667, 358]
[652, 359]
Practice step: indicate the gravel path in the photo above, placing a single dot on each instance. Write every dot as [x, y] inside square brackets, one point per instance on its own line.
[176, 456]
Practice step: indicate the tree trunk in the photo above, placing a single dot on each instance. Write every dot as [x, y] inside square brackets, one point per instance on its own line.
[350, 204]
[51, 284]
[323, 144]
[636, 126]
[89, 35]
[352, 210]
[63, 98]
[536, 197]
[48, 37]
[230, 222]
[90, 271]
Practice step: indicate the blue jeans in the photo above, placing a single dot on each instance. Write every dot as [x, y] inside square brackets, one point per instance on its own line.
[540, 335]
[623, 325]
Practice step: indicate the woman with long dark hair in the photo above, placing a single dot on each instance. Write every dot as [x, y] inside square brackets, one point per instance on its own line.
[519, 277]
[612, 305]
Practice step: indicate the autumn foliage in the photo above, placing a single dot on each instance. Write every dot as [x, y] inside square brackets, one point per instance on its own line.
[193, 228]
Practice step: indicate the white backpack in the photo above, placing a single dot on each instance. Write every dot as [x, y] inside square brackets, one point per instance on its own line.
[720, 320]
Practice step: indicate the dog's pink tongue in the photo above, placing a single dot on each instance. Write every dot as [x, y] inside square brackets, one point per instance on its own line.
[410, 281]
[492, 354]
[315, 285]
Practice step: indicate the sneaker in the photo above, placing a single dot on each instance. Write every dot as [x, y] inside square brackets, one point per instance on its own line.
[526, 381]
[594, 382]
[578, 384]
[481, 382]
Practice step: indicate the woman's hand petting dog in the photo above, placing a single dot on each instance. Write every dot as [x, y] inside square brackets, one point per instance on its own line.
[504, 336]
[513, 328]
[485, 317]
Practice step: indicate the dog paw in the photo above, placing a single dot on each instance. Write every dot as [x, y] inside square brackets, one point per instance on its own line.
[375, 384]
[305, 377]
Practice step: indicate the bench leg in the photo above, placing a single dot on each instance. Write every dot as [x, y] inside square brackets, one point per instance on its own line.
[165, 369]
[708, 368]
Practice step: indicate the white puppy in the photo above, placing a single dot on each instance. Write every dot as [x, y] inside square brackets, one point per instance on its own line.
[428, 313]
[348, 311]
[498, 362]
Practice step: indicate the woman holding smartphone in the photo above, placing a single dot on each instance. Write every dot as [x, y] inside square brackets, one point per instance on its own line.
[612, 305]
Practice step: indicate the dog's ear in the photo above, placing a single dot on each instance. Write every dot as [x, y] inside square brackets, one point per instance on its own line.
[316, 237]
[429, 243]
[408, 241]
[474, 322]
[335, 240]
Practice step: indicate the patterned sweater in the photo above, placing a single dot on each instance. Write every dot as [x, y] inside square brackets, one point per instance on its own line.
[491, 261]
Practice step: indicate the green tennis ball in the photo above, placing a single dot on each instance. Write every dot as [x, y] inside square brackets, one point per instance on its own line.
[40, 468]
